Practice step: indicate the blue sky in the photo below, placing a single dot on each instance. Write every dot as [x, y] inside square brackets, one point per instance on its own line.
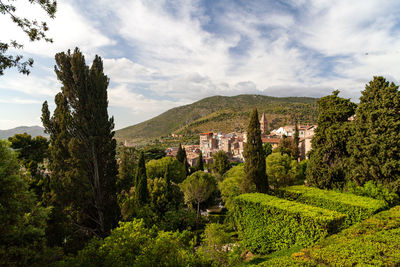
[162, 54]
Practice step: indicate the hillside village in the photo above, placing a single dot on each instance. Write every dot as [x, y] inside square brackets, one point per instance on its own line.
[233, 143]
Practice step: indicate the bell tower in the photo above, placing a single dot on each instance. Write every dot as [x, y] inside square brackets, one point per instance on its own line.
[264, 124]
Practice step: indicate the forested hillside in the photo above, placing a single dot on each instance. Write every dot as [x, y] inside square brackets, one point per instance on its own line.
[223, 113]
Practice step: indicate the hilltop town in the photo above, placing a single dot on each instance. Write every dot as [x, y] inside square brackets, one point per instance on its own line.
[233, 143]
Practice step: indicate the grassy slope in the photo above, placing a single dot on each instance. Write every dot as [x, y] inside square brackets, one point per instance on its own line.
[220, 113]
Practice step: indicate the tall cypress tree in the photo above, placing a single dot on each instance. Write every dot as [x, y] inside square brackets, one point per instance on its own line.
[141, 191]
[296, 141]
[200, 163]
[254, 165]
[180, 155]
[88, 139]
[375, 145]
[329, 155]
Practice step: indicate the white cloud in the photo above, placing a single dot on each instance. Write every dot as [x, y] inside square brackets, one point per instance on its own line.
[32, 85]
[17, 100]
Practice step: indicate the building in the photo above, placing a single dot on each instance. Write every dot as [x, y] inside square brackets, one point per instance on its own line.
[264, 126]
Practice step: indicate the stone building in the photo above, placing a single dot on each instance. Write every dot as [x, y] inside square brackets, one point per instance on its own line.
[264, 125]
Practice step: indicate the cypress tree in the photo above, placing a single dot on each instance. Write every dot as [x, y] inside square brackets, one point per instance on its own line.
[200, 163]
[375, 145]
[86, 136]
[296, 141]
[254, 165]
[168, 182]
[141, 191]
[329, 155]
[180, 155]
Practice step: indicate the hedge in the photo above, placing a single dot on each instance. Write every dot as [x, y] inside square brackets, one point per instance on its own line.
[356, 208]
[267, 223]
[372, 242]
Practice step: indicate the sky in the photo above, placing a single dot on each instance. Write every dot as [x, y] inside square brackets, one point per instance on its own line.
[162, 54]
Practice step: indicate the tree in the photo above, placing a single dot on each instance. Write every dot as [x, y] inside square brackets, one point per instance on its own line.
[181, 154]
[32, 152]
[22, 222]
[197, 188]
[126, 168]
[285, 146]
[254, 157]
[267, 147]
[87, 136]
[200, 163]
[327, 165]
[157, 169]
[281, 169]
[375, 144]
[141, 191]
[296, 141]
[221, 162]
[32, 28]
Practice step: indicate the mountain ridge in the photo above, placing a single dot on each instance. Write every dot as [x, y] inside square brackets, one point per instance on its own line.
[32, 130]
[222, 113]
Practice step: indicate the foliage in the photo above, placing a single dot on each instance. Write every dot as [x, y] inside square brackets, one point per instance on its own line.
[375, 144]
[267, 223]
[374, 190]
[230, 185]
[32, 28]
[267, 147]
[356, 208]
[373, 242]
[133, 244]
[32, 152]
[197, 188]
[22, 222]
[327, 165]
[126, 168]
[82, 157]
[254, 166]
[157, 168]
[141, 191]
[221, 114]
[217, 248]
[200, 163]
[285, 146]
[281, 169]
[153, 152]
[161, 197]
[221, 162]
[296, 141]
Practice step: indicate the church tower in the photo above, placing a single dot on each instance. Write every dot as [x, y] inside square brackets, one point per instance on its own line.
[264, 124]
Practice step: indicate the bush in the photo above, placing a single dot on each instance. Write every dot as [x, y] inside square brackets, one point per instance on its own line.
[373, 242]
[356, 208]
[374, 190]
[267, 223]
[132, 244]
[281, 169]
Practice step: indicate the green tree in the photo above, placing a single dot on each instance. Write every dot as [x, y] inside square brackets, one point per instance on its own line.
[200, 163]
[296, 141]
[91, 170]
[327, 165]
[32, 152]
[33, 29]
[221, 162]
[281, 169]
[141, 191]
[157, 169]
[126, 168]
[267, 147]
[197, 188]
[230, 186]
[181, 154]
[254, 157]
[22, 221]
[375, 144]
[286, 145]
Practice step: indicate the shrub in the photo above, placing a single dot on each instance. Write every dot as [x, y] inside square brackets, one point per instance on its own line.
[267, 223]
[373, 242]
[281, 169]
[356, 208]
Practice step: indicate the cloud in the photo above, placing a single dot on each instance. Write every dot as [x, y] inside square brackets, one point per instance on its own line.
[32, 85]
[17, 100]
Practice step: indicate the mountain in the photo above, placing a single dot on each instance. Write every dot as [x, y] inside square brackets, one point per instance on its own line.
[222, 113]
[32, 130]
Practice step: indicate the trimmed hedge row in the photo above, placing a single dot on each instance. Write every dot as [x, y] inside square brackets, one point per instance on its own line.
[267, 223]
[356, 208]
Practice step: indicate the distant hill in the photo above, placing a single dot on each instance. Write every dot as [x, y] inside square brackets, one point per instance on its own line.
[32, 130]
[222, 113]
